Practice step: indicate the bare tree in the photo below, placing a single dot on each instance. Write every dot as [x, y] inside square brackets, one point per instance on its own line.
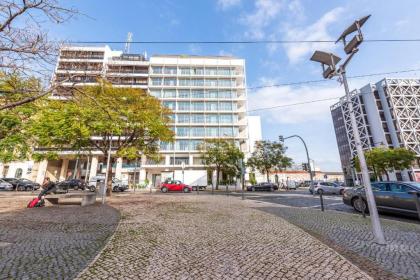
[25, 47]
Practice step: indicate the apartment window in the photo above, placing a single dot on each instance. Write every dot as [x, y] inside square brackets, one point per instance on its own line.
[212, 131]
[166, 146]
[226, 118]
[183, 131]
[211, 82]
[211, 94]
[169, 94]
[197, 106]
[170, 104]
[196, 144]
[170, 82]
[156, 70]
[183, 118]
[224, 71]
[155, 93]
[170, 70]
[197, 118]
[197, 94]
[156, 81]
[211, 106]
[212, 118]
[225, 83]
[225, 106]
[18, 173]
[183, 106]
[179, 160]
[198, 131]
[226, 131]
[225, 94]
[197, 71]
[182, 145]
[171, 118]
[184, 94]
[185, 71]
[197, 82]
[211, 71]
[184, 82]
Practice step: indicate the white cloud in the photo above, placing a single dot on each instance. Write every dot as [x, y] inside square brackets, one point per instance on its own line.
[316, 31]
[264, 13]
[226, 4]
[278, 96]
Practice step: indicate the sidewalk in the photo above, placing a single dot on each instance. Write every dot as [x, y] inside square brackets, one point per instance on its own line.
[188, 236]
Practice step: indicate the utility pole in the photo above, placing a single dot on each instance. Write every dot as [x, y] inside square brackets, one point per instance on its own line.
[329, 63]
[108, 162]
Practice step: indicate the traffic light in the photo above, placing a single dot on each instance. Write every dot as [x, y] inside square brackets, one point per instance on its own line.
[305, 166]
[281, 138]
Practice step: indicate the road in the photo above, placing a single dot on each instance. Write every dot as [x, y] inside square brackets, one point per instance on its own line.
[303, 199]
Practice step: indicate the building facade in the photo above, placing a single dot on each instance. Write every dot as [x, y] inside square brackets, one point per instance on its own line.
[207, 95]
[387, 115]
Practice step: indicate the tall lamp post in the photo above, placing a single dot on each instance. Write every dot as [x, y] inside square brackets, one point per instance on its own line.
[330, 69]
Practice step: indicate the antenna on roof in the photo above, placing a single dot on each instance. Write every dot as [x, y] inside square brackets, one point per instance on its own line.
[128, 42]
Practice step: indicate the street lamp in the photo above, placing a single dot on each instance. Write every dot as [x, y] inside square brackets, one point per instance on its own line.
[282, 138]
[330, 60]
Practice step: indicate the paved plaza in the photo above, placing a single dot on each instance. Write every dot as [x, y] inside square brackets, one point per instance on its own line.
[178, 236]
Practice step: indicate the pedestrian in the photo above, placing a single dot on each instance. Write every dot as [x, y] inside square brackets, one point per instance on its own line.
[47, 187]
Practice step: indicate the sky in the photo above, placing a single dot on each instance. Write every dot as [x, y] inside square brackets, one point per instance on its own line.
[266, 64]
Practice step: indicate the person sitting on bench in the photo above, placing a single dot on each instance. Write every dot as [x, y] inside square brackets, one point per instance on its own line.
[47, 187]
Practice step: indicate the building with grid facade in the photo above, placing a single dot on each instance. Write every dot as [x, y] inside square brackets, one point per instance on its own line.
[387, 115]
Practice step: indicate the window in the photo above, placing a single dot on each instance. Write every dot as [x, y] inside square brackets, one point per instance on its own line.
[184, 82]
[170, 104]
[179, 160]
[196, 144]
[226, 83]
[182, 145]
[157, 70]
[155, 93]
[183, 106]
[165, 146]
[18, 173]
[212, 131]
[226, 119]
[211, 71]
[211, 94]
[198, 131]
[169, 94]
[156, 81]
[226, 131]
[224, 71]
[380, 187]
[398, 188]
[185, 71]
[184, 94]
[211, 82]
[183, 131]
[211, 106]
[183, 118]
[225, 106]
[211, 118]
[170, 70]
[170, 82]
[197, 82]
[225, 94]
[197, 71]
[197, 118]
[197, 94]
[197, 106]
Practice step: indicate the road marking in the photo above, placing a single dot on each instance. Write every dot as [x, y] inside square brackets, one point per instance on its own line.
[315, 206]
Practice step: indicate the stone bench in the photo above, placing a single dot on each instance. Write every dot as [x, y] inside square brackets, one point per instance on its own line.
[87, 198]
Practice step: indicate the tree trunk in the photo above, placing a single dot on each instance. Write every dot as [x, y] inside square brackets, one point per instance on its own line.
[109, 181]
[387, 175]
[268, 177]
[217, 177]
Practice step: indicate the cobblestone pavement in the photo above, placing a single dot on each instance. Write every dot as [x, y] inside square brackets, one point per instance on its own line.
[188, 236]
[351, 233]
[50, 242]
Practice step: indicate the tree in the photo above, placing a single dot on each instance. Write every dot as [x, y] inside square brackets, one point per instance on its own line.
[14, 136]
[380, 160]
[95, 116]
[24, 45]
[221, 155]
[269, 156]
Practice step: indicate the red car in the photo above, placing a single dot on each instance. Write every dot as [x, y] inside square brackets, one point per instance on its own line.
[174, 186]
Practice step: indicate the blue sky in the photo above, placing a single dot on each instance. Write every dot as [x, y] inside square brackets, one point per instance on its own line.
[177, 20]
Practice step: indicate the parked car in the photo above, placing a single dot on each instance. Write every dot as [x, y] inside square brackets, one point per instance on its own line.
[174, 185]
[201, 188]
[4, 185]
[263, 187]
[22, 184]
[394, 197]
[117, 185]
[326, 188]
[72, 184]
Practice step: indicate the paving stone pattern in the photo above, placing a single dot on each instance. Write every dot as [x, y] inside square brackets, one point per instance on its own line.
[186, 236]
[401, 255]
[51, 242]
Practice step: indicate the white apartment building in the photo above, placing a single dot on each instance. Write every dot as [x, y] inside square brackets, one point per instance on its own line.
[207, 95]
[387, 114]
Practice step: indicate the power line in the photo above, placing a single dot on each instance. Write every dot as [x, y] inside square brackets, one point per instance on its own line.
[239, 42]
[294, 104]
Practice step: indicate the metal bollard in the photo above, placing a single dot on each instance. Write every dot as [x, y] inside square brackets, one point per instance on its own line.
[322, 202]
